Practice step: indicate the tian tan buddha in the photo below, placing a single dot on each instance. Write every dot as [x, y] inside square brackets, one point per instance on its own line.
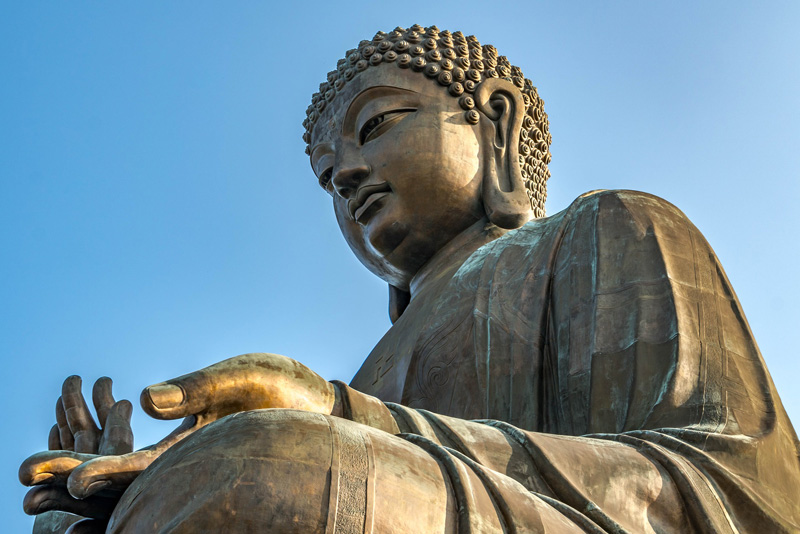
[591, 371]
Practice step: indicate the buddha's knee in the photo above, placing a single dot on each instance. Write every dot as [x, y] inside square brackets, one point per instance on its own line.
[288, 471]
[260, 471]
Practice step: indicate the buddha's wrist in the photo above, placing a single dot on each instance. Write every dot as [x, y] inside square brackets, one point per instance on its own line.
[363, 408]
[338, 405]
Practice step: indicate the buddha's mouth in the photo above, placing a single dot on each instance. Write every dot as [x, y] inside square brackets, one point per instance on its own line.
[365, 197]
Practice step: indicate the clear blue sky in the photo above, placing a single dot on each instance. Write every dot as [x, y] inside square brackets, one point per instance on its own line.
[158, 214]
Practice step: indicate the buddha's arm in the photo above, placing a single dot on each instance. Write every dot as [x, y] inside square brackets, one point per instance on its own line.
[636, 481]
[537, 478]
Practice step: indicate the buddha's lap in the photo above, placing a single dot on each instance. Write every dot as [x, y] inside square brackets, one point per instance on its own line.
[286, 470]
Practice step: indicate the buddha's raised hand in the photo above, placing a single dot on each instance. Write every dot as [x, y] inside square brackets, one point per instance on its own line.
[75, 440]
[242, 383]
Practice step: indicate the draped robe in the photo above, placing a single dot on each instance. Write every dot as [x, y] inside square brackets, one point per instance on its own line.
[592, 371]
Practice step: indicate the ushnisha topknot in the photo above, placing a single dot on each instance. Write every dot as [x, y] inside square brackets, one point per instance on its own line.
[458, 64]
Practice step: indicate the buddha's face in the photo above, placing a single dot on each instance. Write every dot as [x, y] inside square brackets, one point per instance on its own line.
[403, 167]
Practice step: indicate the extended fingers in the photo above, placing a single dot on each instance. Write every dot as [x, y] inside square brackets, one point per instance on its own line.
[108, 472]
[47, 498]
[50, 467]
[84, 474]
[54, 439]
[117, 472]
[117, 434]
[83, 427]
[65, 434]
[103, 399]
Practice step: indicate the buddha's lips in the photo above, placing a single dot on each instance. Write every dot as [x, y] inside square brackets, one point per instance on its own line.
[362, 198]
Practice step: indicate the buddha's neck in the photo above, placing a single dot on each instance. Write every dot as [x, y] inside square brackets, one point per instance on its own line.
[454, 253]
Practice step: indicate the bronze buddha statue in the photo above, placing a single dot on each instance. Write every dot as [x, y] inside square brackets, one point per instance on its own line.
[590, 371]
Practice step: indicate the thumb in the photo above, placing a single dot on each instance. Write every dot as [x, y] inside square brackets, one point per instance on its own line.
[246, 382]
[220, 389]
[180, 397]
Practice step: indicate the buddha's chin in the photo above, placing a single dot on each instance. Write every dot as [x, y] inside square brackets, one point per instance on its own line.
[400, 249]
[385, 235]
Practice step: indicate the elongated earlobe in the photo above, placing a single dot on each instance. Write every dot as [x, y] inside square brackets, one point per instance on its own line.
[505, 197]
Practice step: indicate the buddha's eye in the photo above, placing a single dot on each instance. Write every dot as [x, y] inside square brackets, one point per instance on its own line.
[325, 178]
[381, 123]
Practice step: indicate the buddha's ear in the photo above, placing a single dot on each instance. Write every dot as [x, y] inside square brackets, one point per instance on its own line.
[504, 195]
[398, 301]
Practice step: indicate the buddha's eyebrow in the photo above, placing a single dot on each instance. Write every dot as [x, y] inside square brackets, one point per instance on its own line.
[318, 154]
[322, 144]
[369, 95]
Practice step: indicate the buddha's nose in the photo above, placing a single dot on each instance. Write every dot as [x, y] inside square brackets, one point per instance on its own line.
[348, 176]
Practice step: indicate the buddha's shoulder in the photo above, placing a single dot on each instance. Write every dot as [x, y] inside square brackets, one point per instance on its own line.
[600, 200]
[594, 206]
[597, 212]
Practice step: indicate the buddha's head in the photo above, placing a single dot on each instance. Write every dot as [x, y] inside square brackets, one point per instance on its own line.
[420, 134]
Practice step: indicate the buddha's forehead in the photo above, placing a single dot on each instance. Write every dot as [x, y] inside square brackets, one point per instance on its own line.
[376, 82]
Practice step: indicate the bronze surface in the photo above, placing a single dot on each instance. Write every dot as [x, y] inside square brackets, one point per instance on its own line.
[590, 371]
